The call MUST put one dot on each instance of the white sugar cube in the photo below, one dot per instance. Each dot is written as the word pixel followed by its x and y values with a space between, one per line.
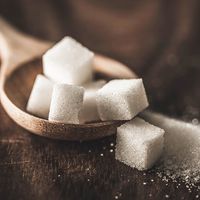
pixel 121 99
pixel 89 109
pixel 139 144
pixel 68 62
pixel 40 97
pixel 66 103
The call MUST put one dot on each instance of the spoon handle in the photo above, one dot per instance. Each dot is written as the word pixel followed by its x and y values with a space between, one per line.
pixel 16 48
pixel 112 68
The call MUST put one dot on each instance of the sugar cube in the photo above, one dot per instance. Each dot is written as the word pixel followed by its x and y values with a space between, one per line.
pixel 68 62
pixel 40 97
pixel 139 144
pixel 121 99
pixel 66 103
pixel 89 111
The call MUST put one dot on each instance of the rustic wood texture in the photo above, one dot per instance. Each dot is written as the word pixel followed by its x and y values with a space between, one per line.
pixel 159 40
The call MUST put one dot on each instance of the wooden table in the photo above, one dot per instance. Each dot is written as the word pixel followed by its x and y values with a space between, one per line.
pixel 160 41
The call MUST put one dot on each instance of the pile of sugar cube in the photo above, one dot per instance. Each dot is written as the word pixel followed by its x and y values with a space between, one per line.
pixel 67 93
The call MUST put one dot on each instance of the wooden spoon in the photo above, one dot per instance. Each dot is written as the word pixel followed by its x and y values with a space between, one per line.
pixel 20 63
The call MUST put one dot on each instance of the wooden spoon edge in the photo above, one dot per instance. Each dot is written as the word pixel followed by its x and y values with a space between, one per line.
pixel 56 130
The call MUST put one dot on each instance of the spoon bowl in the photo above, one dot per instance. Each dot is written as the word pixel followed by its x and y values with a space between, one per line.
pixel 18 71
pixel 18 86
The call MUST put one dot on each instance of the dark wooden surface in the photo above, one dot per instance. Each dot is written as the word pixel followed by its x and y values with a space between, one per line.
pixel 157 39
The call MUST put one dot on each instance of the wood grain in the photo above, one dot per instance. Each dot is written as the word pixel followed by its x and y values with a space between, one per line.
pixel 35 168
pixel 159 41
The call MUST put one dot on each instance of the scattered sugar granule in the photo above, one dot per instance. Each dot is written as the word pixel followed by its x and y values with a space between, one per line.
pixel 111 144
pixel 121 99
pixel 181 156
pixel 66 103
pixel 89 111
pixel 167 196
pixel 40 97
pixel 68 62
pixel 139 144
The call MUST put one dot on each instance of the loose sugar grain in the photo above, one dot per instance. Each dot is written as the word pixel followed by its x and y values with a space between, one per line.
pixel 181 157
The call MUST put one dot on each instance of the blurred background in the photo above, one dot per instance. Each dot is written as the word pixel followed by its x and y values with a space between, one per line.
pixel 158 39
